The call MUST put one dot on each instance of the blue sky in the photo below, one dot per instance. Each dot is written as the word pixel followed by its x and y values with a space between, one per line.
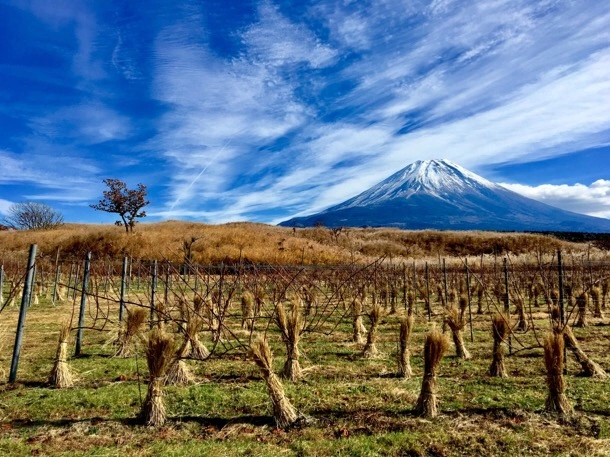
pixel 262 110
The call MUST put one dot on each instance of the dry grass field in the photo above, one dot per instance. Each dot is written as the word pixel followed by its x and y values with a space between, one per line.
pixel 348 403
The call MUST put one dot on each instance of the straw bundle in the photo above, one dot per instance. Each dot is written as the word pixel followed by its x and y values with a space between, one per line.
pixel 410 302
pixel 404 362
pixel 291 326
pixel 194 347
pixel 596 299
pixel 311 300
pixel 284 413
pixel 247 310
pixel 440 295
pixel 581 303
pixel 520 308
pixel 179 373
pixel 480 292
pixel 589 367
pixel 553 359
pixel 456 322
pixel 130 330
pixel 159 355
pixel 370 350
pixel 61 375
pixel 554 296
pixel 434 349
pixel 357 325
pixel 500 331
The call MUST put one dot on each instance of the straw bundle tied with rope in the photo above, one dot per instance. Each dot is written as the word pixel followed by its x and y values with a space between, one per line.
pixel 284 413
pixel 291 326
pixel 556 400
pixel 370 350
pixel 589 367
pixel 247 310
pixel 522 325
pixel 357 325
pixel 456 322
pixel 581 303
pixel 129 332
pixel 596 295
pixel 61 374
pixel 500 331
pixel 404 362
pixel 435 347
pixel 194 347
pixel 160 353
pixel 179 373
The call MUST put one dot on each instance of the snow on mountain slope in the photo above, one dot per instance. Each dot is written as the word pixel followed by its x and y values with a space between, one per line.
pixel 439 194
pixel 439 178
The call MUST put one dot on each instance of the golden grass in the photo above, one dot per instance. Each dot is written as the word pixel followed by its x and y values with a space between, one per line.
pixel 260 243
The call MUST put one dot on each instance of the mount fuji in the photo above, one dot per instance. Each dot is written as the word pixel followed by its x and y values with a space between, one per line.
pixel 439 194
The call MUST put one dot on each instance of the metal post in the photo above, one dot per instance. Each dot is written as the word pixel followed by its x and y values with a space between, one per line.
pixel 153 294
pixel 32 289
pixel 561 307
pixel 445 282
pixel 468 294
pixel 166 290
pixel 75 281
pixel 57 270
pixel 1 285
pixel 507 304
pixel 21 323
pixel 123 284
pixel 83 304
pixel 428 293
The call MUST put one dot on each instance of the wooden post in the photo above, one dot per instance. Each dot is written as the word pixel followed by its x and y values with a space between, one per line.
pixel 83 304
pixel 21 323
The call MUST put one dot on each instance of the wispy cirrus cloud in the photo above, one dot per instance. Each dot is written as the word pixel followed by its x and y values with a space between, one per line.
pixel 266 110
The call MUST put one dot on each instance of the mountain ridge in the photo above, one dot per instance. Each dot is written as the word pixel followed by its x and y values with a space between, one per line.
pixel 439 194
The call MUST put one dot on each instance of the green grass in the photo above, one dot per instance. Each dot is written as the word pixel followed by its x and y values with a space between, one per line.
pixel 358 407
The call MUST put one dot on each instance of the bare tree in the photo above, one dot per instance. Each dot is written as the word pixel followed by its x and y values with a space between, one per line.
pixel 125 202
pixel 32 216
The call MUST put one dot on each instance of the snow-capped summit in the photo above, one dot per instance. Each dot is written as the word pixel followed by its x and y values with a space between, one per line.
pixel 440 194
pixel 440 178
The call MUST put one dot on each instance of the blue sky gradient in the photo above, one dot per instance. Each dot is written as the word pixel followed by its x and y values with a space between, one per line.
pixel 261 110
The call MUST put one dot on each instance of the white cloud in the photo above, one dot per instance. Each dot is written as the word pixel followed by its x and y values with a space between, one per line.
pixel 593 199
pixel 4 206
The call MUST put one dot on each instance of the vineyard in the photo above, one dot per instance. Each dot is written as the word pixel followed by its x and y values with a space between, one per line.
pixel 472 355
